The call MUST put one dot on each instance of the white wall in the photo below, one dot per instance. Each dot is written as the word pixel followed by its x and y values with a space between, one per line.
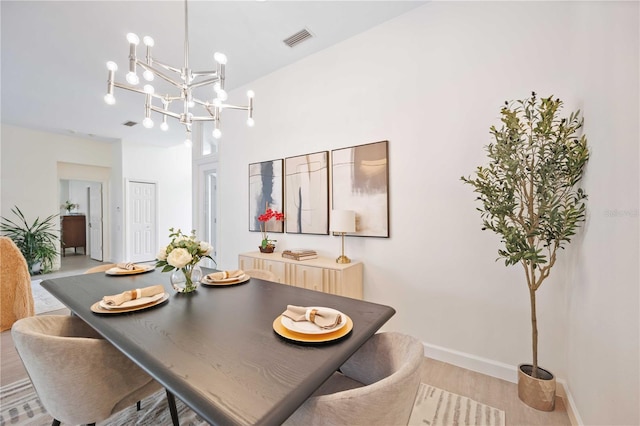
pixel 32 162
pixel 432 82
pixel 170 169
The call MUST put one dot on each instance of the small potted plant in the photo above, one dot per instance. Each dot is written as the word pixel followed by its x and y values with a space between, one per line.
pixel 68 206
pixel 36 241
pixel 267 245
pixel 529 196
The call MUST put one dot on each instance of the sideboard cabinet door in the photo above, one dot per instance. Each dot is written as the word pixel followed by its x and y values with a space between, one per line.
pixel 321 274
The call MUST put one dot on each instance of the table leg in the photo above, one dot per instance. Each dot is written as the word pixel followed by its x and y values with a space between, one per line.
pixel 172 408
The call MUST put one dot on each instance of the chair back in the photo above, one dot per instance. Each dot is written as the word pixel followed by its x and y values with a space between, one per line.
pixel 262 274
pixel 79 377
pixel 387 367
pixel 17 299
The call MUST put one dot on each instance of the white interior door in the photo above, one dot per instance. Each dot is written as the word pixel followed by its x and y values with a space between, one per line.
pixel 95 220
pixel 142 223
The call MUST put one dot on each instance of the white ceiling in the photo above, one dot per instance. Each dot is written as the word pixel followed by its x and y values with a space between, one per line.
pixel 54 53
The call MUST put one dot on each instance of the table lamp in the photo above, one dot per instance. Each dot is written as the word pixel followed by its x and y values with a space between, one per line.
pixel 343 221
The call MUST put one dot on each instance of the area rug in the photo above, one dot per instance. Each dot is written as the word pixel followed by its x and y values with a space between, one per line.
pixel 43 300
pixel 20 406
pixel 436 407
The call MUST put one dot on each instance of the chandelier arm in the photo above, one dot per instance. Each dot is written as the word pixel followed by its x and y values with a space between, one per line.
pixel 160 74
pixel 124 86
pixel 203 118
pixel 165 112
pixel 165 66
pixel 243 108
pixel 203 83
pixel 204 73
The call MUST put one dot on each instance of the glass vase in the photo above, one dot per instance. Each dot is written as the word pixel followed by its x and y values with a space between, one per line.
pixel 186 280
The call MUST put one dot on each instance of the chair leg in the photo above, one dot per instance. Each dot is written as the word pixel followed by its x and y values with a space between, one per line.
pixel 138 406
pixel 172 408
pixel 55 422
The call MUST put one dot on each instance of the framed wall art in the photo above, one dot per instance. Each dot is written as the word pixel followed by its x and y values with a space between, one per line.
pixel 307 193
pixel 360 182
pixel 265 191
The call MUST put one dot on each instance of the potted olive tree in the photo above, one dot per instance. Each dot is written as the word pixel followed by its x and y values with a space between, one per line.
pixel 36 241
pixel 529 196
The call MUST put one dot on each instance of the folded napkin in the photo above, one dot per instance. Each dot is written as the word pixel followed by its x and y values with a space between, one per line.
pixel 320 317
pixel 223 275
pixel 119 299
pixel 129 266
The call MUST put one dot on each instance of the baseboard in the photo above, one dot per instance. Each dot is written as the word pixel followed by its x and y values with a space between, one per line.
pixel 498 370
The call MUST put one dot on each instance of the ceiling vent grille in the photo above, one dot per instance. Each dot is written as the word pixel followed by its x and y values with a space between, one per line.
pixel 297 38
pixel 129 123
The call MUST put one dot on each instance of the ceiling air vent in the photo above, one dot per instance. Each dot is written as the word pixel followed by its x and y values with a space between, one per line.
pixel 129 123
pixel 297 38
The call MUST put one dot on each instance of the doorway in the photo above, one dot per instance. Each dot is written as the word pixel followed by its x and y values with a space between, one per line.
pixel 88 198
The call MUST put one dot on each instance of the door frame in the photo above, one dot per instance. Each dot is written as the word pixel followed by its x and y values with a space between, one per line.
pixel 199 216
pixel 127 210
pixel 99 174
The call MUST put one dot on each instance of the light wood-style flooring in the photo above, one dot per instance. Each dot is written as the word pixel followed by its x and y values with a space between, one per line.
pixel 488 390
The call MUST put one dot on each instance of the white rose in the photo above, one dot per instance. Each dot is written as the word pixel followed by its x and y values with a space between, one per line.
pixel 205 248
pixel 179 258
pixel 162 254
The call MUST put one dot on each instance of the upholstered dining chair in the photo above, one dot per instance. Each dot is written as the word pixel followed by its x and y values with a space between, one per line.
pixel 262 274
pixel 79 377
pixel 17 299
pixel 376 386
pixel 100 268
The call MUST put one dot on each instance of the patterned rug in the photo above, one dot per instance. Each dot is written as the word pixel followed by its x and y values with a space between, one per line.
pixel 20 406
pixel 43 300
pixel 436 407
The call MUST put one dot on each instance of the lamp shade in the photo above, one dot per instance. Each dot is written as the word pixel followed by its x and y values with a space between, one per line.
pixel 343 221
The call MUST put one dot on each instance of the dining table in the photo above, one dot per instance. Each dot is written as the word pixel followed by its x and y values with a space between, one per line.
pixel 217 349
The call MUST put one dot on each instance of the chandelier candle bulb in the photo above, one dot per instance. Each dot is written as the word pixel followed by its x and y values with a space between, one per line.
pixel 133 39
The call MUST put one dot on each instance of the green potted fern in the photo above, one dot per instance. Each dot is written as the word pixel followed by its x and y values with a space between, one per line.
pixel 37 241
pixel 530 197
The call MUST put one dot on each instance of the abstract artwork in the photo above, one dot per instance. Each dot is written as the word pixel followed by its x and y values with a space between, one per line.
pixel 360 182
pixel 307 193
pixel 265 191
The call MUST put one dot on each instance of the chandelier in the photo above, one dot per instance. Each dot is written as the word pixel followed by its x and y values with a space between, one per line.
pixel 183 95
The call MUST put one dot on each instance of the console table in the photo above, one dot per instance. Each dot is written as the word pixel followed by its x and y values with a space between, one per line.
pixel 74 233
pixel 321 274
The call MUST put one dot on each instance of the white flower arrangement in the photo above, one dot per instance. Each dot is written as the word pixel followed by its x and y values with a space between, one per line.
pixel 182 251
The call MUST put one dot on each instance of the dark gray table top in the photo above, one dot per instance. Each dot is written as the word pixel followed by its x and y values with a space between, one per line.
pixel 215 349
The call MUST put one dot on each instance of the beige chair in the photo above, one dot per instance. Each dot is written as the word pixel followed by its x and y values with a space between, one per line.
pixel 100 268
pixel 376 386
pixel 79 377
pixel 262 274
pixel 16 299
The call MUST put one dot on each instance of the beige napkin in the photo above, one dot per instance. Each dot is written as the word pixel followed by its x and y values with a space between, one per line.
pixel 223 275
pixel 129 266
pixel 321 317
pixel 119 299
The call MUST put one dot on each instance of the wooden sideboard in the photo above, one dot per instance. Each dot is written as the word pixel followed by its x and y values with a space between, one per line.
pixel 321 274
pixel 74 233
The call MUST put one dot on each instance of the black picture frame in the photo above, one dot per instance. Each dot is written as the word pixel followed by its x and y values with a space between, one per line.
pixel 360 182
